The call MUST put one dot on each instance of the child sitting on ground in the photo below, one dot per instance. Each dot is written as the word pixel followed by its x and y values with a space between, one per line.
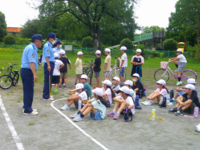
pixel 108 93
pixel 180 62
pixel 160 91
pixel 74 98
pixel 78 64
pixel 96 107
pixel 56 71
pixel 63 71
pixel 116 86
pixel 181 90
pixel 187 101
pixel 87 87
pixel 96 67
pixel 121 102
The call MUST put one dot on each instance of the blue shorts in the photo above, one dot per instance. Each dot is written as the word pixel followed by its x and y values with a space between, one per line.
pixel 96 116
pixel 180 93
pixel 122 72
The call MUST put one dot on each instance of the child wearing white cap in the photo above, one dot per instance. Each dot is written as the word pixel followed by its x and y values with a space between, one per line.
pixel 121 102
pixel 107 63
pixel 180 62
pixel 181 90
pixel 116 86
pixel 56 72
pixel 108 93
pixel 96 67
pixel 137 62
pixel 123 64
pixel 87 87
pixel 96 107
pixel 78 64
pixel 77 95
pixel 156 95
pixel 187 101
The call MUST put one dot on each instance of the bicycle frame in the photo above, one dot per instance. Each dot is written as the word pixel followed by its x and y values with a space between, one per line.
pixel 115 67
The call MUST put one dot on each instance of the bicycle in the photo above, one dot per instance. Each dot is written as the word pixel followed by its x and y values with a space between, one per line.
pixel 164 73
pixel 88 70
pixel 115 70
pixel 6 81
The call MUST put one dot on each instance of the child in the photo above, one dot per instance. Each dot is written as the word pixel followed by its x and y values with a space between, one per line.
pixel 107 63
pixel 187 101
pixel 63 71
pixel 181 90
pixel 137 62
pixel 96 67
pixel 123 64
pixel 87 87
pixel 121 102
pixel 96 107
pixel 180 62
pixel 160 91
pixel 137 85
pixel 115 88
pixel 129 84
pixel 57 48
pixel 56 71
pixel 108 94
pixel 74 98
pixel 78 64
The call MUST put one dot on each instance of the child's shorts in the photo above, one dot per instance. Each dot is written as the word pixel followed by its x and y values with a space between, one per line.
pixel 96 116
pixel 96 74
pixel 106 73
pixel 63 75
pixel 55 79
pixel 121 73
pixel 78 75
pixel 181 66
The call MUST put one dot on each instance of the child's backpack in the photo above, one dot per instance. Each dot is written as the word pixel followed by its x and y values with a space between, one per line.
pixel 127 114
pixel 163 102
pixel 171 94
pixel 107 103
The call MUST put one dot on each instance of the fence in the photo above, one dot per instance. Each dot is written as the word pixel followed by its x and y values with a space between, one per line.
pixel 114 52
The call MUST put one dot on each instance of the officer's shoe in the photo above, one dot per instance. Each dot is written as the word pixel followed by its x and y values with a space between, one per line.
pixel 33 110
pixel 33 113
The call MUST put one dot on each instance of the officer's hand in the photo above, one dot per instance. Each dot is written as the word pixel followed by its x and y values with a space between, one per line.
pixel 35 78
pixel 49 68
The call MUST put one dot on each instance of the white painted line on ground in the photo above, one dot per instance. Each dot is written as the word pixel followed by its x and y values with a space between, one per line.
pixel 11 127
pixel 98 143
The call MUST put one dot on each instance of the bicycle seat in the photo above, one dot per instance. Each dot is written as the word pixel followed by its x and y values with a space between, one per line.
pixel 16 70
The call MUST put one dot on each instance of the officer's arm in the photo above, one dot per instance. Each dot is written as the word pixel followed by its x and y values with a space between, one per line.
pixel 32 66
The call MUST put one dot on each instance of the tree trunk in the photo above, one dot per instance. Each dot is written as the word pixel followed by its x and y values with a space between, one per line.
pixel 96 41
pixel 198 30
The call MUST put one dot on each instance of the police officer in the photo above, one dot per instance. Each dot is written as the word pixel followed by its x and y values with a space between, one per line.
pixel 29 65
pixel 57 48
pixel 48 60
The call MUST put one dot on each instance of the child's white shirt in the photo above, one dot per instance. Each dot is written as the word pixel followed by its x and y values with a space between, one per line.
pixel 124 57
pixel 182 59
pixel 58 63
pixel 83 95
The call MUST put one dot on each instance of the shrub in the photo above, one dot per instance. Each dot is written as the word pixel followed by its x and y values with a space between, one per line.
pixel 155 54
pixel 87 42
pixel 127 42
pixel 9 39
pixel 170 44
pixel 140 46
pixel 23 41
pixel 70 43
pixel 193 50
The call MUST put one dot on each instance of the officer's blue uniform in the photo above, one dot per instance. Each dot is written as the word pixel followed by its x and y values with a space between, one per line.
pixel 57 50
pixel 29 55
pixel 47 52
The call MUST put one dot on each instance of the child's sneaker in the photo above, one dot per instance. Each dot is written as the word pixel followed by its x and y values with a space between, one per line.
pixel 110 114
pixel 64 87
pixel 172 110
pixel 33 113
pixel 147 103
pixel 60 87
pixel 65 107
pixel 78 118
pixel 56 91
pixel 144 101
pixel 74 115
pixel 179 83
pixel 178 113
pixel 116 116
pixel 94 87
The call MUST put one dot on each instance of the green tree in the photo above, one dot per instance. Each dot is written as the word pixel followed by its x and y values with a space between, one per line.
pixel 3 26
pixel 127 42
pixel 186 22
pixel 150 29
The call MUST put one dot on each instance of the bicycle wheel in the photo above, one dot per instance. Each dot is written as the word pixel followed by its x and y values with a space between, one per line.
pixel 90 73
pixel 161 74
pixel 5 82
pixel 186 74
pixel 15 79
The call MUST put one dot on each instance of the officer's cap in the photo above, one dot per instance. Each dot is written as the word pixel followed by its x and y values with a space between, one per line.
pixel 37 37
pixel 52 35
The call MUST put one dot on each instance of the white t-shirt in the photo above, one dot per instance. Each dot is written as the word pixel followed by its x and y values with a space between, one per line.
pixel 163 92
pixel 83 95
pixel 132 93
pixel 182 59
pixel 124 57
pixel 58 63
pixel 129 100
pixel 109 94
pixel 116 87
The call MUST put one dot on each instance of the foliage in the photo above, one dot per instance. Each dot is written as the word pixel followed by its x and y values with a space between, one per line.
pixel 192 49
pixel 170 44
pixel 87 42
pixel 140 46
pixel 70 43
pixel 155 54
pixel 23 41
pixel 127 42
pixel 3 26
pixel 150 29
pixel 9 39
